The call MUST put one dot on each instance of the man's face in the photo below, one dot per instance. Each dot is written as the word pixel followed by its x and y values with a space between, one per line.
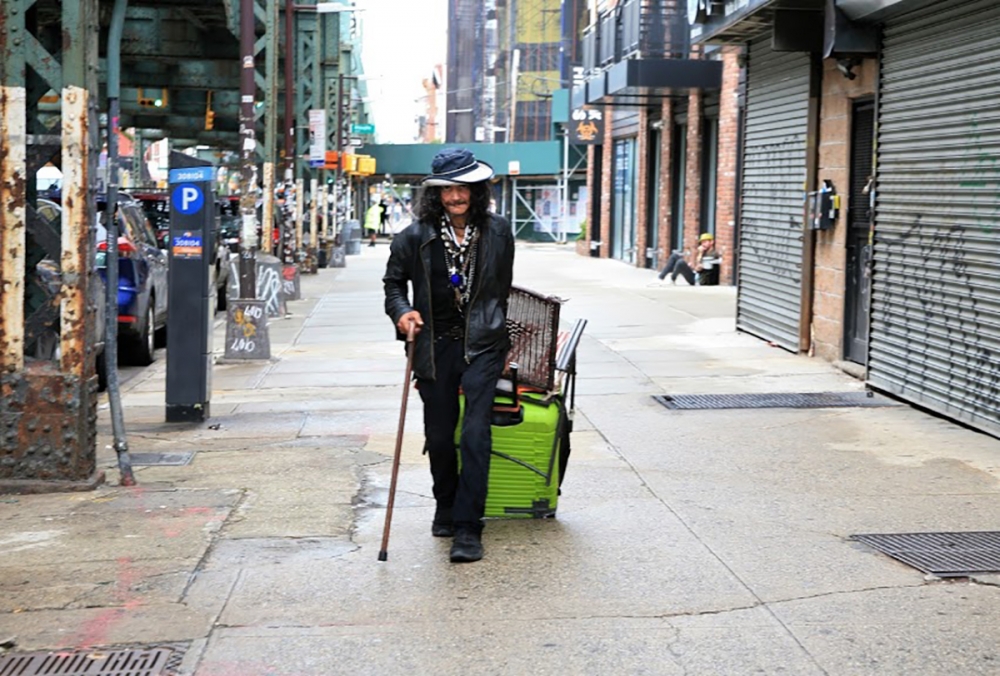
pixel 455 199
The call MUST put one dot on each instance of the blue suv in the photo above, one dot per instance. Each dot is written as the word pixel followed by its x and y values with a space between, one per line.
pixel 142 280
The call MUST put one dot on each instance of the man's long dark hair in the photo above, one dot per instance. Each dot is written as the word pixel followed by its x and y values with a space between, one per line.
pixel 430 210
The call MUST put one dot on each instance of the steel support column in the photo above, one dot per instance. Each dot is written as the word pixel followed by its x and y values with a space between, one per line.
pixel 270 122
pixel 47 405
pixel 307 93
pixel 13 179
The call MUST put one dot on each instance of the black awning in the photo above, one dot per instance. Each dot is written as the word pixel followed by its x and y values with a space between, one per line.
pixel 870 10
pixel 741 20
pixel 643 81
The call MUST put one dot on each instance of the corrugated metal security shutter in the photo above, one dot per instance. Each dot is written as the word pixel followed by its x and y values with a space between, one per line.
pixel 935 331
pixel 774 175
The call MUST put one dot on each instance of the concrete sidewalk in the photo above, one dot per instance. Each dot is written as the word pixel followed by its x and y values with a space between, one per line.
pixel 686 542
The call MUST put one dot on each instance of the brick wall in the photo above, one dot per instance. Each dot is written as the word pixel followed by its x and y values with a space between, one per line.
pixel 607 169
pixel 692 195
pixel 666 179
pixel 726 190
pixel 642 188
pixel 834 163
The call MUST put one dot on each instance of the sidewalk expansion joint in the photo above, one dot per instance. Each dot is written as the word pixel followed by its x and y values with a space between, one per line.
pixel 210 549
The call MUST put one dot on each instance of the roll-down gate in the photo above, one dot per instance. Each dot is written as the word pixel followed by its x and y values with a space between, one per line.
pixel 774 175
pixel 935 324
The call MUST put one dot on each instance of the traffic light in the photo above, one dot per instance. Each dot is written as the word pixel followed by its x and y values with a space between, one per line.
pixel 157 101
pixel 209 113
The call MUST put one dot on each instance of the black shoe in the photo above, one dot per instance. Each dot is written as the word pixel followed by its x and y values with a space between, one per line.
pixel 442 526
pixel 467 547
pixel 442 530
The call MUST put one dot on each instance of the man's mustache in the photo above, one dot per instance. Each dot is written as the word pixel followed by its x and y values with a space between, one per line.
pixel 455 204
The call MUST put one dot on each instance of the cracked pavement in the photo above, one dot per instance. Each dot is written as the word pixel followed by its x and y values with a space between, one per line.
pixel 686 542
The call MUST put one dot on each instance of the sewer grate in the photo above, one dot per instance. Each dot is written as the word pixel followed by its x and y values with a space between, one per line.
pixel 172 459
pixel 128 662
pixel 692 402
pixel 941 554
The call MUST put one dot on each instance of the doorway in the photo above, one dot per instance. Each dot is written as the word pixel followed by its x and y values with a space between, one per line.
pixel 857 294
pixel 594 205
pixel 623 202
pixel 678 169
pixel 653 210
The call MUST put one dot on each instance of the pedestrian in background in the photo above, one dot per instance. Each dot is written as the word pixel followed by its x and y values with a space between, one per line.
pixel 372 219
pixel 702 271
pixel 383 217
pixel 459 259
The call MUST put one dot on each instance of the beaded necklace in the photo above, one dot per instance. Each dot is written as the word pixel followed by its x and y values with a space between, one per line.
pixel 460 260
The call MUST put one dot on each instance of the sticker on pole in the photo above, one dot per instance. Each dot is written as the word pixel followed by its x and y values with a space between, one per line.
pixel 187 245
pixel 187 198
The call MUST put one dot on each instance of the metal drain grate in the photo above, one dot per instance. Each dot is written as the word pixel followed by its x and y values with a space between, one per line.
pixel 941 554
pixel 142 662
pixel 173 459
pixel 692 402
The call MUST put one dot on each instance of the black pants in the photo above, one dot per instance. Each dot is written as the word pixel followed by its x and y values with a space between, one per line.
pixel 465 493
pixel 676 265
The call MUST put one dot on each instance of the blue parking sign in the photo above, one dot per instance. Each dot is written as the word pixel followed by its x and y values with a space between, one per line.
pixel 187 198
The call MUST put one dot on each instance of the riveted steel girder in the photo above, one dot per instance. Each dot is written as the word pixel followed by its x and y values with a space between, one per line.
pixel 47 398
pixel 308 84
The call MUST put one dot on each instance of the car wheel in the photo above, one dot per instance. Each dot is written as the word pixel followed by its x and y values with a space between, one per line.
pixel 144 346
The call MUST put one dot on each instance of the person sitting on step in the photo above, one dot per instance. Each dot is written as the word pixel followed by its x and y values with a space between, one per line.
pixel 703 270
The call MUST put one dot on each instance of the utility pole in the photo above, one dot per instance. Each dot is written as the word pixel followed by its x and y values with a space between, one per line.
pixel 289 92
pixel 246 311
pixel 248 147
pixel 338 221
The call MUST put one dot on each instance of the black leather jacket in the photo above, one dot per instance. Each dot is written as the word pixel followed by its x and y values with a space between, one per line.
pixel 486 318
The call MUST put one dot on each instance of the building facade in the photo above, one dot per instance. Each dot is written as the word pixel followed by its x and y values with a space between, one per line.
pixel 506 58
pixel 885 112
pixel 665 169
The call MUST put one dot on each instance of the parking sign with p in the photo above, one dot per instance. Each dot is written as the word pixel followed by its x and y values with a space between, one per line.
pixel 187 199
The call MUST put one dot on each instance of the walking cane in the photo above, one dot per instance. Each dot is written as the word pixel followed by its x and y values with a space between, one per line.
pixel 383 554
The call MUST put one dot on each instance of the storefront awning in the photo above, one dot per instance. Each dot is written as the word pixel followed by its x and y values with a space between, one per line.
pixel 869 10
pixel 642 81
pixel 737 21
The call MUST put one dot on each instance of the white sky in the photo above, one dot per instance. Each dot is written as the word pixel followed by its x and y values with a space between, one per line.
pixel 402 41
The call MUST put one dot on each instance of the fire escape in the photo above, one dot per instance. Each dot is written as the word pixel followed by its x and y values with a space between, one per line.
pixel 638 52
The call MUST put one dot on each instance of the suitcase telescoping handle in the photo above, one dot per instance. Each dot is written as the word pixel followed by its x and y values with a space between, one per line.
pixel 503 415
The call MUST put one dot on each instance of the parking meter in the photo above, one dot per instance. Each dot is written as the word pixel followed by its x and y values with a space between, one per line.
pixel 191 297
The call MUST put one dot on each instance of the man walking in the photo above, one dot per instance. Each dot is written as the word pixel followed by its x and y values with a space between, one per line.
pixel 459 259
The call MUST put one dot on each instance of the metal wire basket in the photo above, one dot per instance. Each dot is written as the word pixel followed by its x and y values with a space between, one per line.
pixel 533 325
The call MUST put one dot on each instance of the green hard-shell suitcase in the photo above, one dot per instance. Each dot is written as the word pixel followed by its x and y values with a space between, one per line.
pixel 526 461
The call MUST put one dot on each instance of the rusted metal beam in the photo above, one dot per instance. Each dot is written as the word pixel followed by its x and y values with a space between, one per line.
pixel 48 410
pixel 13 175
pixel 13 168
pixel 79 60
pixel 77 339
pixel 191 74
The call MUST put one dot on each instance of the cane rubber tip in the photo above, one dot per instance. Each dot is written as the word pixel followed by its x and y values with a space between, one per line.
pixel 383 556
